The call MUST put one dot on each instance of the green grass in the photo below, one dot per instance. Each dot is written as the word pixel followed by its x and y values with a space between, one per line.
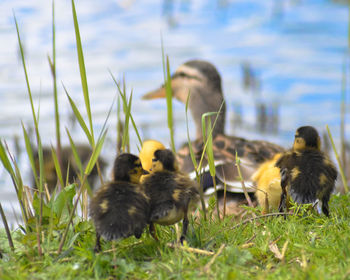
pixel 318 248
pixel 54 242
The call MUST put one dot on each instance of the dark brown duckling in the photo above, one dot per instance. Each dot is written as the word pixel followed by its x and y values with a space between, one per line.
pixel 121 208
pixel 172 192
pixel 307 175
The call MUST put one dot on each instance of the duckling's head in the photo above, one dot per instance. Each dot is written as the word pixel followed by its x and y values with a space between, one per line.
pixel 202 81
pixel 147 152
pixel 306 137
pixel 164 160
pixel 127 167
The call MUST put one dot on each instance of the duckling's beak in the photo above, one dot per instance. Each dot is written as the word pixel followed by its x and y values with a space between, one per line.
pixel 158 93
pixel 144 172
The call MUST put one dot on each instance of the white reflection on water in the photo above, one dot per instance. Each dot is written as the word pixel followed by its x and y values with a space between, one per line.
pixel 295 49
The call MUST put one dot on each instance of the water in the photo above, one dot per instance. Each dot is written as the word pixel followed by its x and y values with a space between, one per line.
pixel 293 49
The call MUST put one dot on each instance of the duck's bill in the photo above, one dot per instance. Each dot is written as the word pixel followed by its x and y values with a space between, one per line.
pixel 158 93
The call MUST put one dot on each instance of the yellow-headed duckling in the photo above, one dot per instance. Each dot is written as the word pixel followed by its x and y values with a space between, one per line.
pixel 202 80
pixel 268 183
pixel 307 175
pixel 121 208
pixel 172 192
pixel 147 152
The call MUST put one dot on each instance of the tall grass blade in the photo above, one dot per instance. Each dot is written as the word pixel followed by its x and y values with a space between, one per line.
pixel 95 153
pixel 82 70
pixel 57 166
pixel 169 103
pixel 125 105
pixel 209 151
pixel 8 233
pixel 54 77
pixel 80 118
pixel 342 174
pixel 30 154
pixel 40 152
pixel 194 161
pixel 343 112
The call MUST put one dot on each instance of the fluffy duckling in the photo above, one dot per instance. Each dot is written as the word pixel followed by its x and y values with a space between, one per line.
pixel 307 175
pixel 203 81
pixel 268 183
pixel 147 151
pixel 121 208
pixel 172 192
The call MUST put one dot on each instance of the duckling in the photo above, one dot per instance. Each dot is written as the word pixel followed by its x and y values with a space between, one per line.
pixel 121 208
pixel 147 151
pixel 203 81
pixel 307 175
pixel 172 192
pixel 268 182
pixel 68 163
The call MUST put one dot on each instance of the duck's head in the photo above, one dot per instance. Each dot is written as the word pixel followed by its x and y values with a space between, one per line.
pixel 147 152
pixel 164 160
pixel 202 81
pixel 127 167
pixel 306 137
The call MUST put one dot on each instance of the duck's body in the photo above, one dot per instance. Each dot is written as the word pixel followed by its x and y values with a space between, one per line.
pixel 268 185
pixel 307 175
pixel 171 192
pixel 69 167
pixel 121 208
pixel 202 80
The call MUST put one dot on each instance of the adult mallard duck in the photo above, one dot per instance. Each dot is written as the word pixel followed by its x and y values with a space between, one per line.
pixel 202 80
pixel 307 175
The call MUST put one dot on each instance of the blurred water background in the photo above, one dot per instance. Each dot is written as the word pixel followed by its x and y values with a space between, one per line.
pixel 281 64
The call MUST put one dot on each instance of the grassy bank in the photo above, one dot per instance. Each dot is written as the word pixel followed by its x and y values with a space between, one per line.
pixel 298 247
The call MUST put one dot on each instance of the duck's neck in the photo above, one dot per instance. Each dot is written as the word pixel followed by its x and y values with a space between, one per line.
pixel 201 103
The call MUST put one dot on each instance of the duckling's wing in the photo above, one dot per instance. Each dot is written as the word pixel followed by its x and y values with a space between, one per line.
pixel 119 210
pixel 251 154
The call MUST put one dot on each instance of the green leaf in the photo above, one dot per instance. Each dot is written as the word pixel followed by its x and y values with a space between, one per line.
pixel 82 70
pixel 95 154
pixel 30 154
pixel 57 166
pixel 64 201
pixel 80 118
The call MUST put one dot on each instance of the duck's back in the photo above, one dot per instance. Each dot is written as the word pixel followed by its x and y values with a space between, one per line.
pixel 120 209
pixel 251 154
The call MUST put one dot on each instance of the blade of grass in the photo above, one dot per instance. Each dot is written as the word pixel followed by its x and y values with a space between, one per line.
pixel 343 112
pixel 8 233
pixel 169 104
pixel 40 152
pixel 80 118
pixel 57 166
pixel 77 162
pixel 124 99
pixel 95 153
pixel 210 153
pixel 52 64
pixel 193 158
pixel 345 184
pixel 30 154
pixel 82 71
